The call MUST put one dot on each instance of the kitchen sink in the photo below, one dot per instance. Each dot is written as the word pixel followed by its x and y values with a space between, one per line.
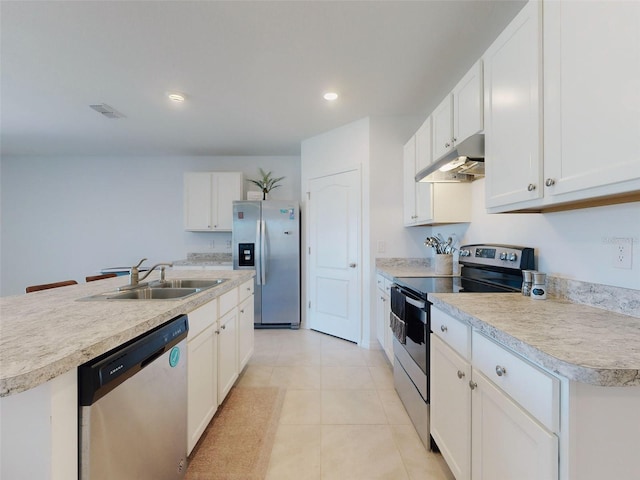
pixel 165 290
pixel 188 283
pixel 154 293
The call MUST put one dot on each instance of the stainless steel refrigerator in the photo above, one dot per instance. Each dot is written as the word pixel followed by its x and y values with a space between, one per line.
pixel 266 237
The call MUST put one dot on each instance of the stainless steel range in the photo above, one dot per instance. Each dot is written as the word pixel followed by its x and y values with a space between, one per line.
pixel 484 268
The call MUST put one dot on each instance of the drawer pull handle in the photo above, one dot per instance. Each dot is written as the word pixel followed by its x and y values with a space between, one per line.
pixel 460 374
pixel 500 371
pixel 443 328
pixel 472 385
pixel 531 187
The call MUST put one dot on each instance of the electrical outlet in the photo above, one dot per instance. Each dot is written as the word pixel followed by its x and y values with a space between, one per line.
pixel 621 249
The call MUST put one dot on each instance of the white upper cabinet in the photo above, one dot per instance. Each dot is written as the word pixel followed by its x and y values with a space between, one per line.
pixel 423 146
pixel 208 198
pixel 443 128
pixel 417 196
pixel 512 111
pixel 585 149
pixel 591 98
pixel 460 114
pixel 468 118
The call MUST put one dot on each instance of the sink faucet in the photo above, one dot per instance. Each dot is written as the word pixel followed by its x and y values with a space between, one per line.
pixel 134 273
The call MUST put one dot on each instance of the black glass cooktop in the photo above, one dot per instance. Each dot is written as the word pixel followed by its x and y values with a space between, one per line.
pixel 425 285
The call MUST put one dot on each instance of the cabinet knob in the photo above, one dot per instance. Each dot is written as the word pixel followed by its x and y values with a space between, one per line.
pixel 353 265
pixel 549 182
pixel 531 187
pixel 460 374
pixel 472 385
pixel 447 145
pixel 224 327
pixel 242 311
pixel 217 332
pixel 500 371
pixel 443 328
pixel 455 139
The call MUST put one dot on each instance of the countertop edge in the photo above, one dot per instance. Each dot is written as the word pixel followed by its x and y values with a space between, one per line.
pixel 41 374
pixel 581 373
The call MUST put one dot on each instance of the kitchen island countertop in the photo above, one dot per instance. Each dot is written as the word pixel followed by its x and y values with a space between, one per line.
pixel 47 333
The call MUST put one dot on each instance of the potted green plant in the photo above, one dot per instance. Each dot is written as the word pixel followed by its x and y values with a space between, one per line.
pixel 266 183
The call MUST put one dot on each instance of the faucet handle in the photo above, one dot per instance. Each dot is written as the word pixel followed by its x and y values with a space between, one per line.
pixel 141 261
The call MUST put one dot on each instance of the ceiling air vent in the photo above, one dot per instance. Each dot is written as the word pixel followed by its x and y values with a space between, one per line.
pixel 107 111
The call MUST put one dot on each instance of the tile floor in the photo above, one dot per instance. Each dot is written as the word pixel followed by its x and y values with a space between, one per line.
pixel 341 417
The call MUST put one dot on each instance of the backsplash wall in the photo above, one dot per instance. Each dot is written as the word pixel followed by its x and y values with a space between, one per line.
pixel 573 244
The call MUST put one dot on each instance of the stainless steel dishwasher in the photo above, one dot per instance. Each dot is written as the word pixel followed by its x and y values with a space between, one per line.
pixel 133 408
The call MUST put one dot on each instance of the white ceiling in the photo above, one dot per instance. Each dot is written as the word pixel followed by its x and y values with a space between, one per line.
pixel 253 71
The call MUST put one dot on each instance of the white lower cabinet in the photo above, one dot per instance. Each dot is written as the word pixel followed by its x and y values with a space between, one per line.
pixel 245 324
pixel 218 331
pixel 383 311
pixel 202 381
pixel 451 407
pixel 493 414
pixel 506 441
pixel 227 353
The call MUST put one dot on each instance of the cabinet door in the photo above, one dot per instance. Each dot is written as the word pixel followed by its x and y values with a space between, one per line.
pixel 227 187
pixel 451 407
pixel 506 441
pixel 468 104
pixel 197 201
pixel 227 353
pixel 380 320
pixel 423 146
pixel 202 384
pixel 443 128
pixel 245 332
pixel 512 82
pixel 591 105
pixel 409 163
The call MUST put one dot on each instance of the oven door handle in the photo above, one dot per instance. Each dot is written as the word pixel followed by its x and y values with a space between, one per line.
pixel 416 303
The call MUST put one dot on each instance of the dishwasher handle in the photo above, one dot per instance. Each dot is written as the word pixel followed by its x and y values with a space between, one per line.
pixel 101 375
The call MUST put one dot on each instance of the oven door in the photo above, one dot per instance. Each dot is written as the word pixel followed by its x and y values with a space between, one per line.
pixel 409 322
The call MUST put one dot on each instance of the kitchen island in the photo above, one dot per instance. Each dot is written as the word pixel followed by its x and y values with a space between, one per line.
pixel 45 336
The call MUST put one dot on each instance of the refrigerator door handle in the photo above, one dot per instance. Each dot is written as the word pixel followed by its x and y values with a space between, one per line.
pixel 258 252
pixel 263 253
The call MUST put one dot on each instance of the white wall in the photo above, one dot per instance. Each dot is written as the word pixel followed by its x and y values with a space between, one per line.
pixel 572 244
pixel 66 218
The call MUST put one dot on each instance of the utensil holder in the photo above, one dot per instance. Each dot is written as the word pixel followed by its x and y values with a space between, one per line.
pixel 443 264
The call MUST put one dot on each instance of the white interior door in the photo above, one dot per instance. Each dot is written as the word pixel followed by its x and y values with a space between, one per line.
pixel 335 292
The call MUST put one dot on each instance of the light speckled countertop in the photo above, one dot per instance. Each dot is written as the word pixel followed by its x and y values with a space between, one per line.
pixel 47 333
pixel 205 260
pixel 408 267
pixel 579 342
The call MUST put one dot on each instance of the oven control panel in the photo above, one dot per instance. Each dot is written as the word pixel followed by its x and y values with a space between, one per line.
pixel 497 256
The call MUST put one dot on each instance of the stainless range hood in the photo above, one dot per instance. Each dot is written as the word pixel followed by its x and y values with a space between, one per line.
pixel 465 163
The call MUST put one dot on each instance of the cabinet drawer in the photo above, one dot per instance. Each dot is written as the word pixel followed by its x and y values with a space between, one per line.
pixel 202 317
pixel 380 281
pixel 246 289
pixel 227 301
pixel 453 332
pixel 535 390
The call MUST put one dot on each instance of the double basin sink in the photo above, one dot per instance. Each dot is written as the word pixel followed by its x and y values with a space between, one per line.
pixel 160 290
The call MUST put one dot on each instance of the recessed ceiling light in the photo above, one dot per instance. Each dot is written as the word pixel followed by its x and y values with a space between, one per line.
pixel 331 96
pixel 176 97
